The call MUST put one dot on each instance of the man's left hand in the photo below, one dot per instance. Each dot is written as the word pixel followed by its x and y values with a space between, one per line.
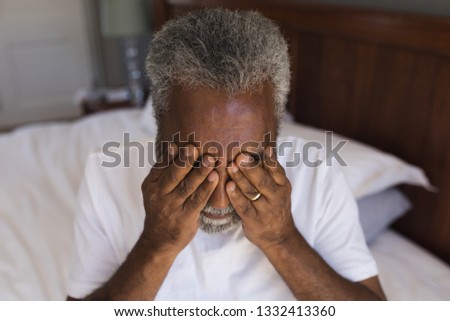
pixel 267 220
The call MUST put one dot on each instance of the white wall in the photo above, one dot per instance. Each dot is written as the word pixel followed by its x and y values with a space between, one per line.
pixel 435 7
pixel 44 59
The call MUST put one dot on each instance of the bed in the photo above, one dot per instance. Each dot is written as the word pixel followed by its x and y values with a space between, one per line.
pixel 352 73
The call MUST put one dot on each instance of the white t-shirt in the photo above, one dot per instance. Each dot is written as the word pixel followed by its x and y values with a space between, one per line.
pixel 214 267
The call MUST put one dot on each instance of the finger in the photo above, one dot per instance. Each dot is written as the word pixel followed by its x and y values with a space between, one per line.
pixel 178 169
pixel 166 158
pixel 240 203
pixel 197 201
pixel 195 177
pixel 273 167
pixel 257 175
pixel 247 189
pixel 164 150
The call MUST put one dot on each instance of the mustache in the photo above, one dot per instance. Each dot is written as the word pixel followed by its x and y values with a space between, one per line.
pixel 218 211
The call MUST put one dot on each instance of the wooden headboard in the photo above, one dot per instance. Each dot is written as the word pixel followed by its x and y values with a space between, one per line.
pixel 379 77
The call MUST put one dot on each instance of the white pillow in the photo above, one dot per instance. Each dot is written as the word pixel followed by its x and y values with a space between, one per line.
pixel 369 170
pixel 378 211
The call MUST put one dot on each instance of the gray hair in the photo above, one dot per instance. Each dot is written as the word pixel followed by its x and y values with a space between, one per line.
pixel 221 49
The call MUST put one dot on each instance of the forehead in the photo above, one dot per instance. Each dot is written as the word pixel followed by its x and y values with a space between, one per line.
pixel 203 115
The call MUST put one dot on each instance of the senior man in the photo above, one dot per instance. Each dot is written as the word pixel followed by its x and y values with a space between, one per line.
pixel 218 217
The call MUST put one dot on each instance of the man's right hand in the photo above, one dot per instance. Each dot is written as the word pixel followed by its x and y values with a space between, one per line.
pixel 174 196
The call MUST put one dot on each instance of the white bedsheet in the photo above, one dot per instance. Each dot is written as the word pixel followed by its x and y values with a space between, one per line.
pixel 40 170
pixel 409 272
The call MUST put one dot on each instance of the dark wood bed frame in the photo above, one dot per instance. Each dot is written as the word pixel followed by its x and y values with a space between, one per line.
pixel 380 77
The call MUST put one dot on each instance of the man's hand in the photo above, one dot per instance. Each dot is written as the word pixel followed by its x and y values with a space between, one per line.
pixel 174 195
pixel 268 220
pixel 268 223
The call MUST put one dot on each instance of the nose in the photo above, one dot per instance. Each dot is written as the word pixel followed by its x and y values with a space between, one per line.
pixel 219 198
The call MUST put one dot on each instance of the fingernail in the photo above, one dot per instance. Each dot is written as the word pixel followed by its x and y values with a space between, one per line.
pixel 210 160
pixel 212 176
pixel 171 150
pixel 244 160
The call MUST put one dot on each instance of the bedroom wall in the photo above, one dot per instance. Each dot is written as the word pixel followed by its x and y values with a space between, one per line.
pixel 436 7
pixel 44 59
pixel 113 75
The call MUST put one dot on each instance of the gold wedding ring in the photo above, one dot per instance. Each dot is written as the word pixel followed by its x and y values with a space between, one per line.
pixel 255 198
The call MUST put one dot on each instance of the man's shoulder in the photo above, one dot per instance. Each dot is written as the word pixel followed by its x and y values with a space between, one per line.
pixel 315 180
pixel 111 192
pixel 139 153
pixel 113 160
pixel 303 160
pixel 115 173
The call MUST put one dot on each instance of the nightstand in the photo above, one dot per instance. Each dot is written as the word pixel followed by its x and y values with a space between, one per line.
pixel 93 106
pixel 99 100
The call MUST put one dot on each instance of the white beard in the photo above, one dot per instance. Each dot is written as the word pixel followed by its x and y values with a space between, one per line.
pixel 220 225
